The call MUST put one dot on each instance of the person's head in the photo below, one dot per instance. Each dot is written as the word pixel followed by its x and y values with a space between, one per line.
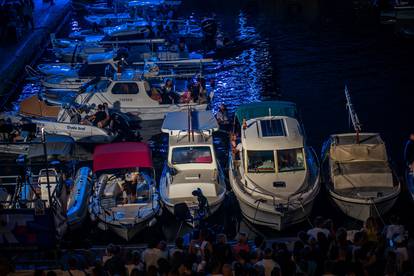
pixel 110 249
pixel 222 107
pixel 162 245
pixel 100 107
pixel 318 222
pixel 168 83
pixel 371 224
pixel 242 237
pixel 268 253
pixel 259 241
pixel 105 105
pixel 2 122
pixel 412 136
pixel 221 238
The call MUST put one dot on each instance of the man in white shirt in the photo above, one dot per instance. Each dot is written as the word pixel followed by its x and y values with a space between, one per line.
pixel 268 264
pixel 318 227
pixel 151 255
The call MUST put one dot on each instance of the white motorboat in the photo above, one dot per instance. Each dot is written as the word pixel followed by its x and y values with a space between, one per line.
pixel 128 94
pixel 274 174
pixel 192 177
pixel 357 174
pixel 67 120
pixel 125 199
pixel 404 12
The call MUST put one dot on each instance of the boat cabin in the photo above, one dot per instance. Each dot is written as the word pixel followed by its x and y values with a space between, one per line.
pixel 191 156
pixel 272 148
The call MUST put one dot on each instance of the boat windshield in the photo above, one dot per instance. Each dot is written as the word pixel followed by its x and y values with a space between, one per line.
pixel 185 155
pixel 260 161
pixel 290 160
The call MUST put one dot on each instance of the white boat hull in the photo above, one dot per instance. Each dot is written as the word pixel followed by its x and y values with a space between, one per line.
pixel 265 213
pixel 360 208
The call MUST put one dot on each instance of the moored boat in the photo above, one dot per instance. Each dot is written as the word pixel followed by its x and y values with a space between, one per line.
pixel 273 172
pixel 124 199
pixel 192 185
pixel 357 174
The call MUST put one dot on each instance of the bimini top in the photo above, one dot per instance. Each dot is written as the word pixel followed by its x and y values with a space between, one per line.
pixel 179 122
pixel 263 109
pixel 121 155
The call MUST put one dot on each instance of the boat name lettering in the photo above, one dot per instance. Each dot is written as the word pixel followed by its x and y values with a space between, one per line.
pixel 76 128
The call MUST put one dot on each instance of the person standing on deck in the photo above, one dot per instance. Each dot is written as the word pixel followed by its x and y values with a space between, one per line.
pixel 409 152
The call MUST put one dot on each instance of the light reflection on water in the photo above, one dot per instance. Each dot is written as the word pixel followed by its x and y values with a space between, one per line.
pixel 243 84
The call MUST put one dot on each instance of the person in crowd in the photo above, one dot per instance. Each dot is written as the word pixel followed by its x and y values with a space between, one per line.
pixel 267 263
pixel 409 152
pixel 372 229
pixel 151 255
pixel 395 228
pixel 115 265
pixel 318 227
pixel 241 244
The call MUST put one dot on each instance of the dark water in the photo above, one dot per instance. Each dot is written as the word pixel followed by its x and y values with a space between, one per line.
pixel 305 52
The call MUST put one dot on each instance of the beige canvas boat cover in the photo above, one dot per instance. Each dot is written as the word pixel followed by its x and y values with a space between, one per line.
pixel 358 152
pixel 360 174
pixel 32 106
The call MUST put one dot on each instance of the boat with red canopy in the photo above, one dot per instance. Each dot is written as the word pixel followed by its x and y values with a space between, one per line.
pixel 125 199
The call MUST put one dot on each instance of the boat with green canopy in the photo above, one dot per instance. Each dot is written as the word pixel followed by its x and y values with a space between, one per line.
pixel 273 172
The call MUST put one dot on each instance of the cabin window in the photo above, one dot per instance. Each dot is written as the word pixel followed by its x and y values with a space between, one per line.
pixel 185 155
pixel 126 88
pixel 290 160
pixel 272 128
pixel 260 161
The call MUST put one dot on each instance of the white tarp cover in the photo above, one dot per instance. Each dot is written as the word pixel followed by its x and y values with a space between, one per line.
pixel 358 152
pixel 361 174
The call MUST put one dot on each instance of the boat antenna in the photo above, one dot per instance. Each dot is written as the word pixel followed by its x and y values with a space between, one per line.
pixel 352 114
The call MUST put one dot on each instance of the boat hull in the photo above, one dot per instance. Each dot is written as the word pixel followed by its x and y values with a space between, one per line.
pixel 361 209
pixel 265 214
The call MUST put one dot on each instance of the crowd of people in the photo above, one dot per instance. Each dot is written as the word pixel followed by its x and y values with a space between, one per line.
pixel 375 249
pixel 16 17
